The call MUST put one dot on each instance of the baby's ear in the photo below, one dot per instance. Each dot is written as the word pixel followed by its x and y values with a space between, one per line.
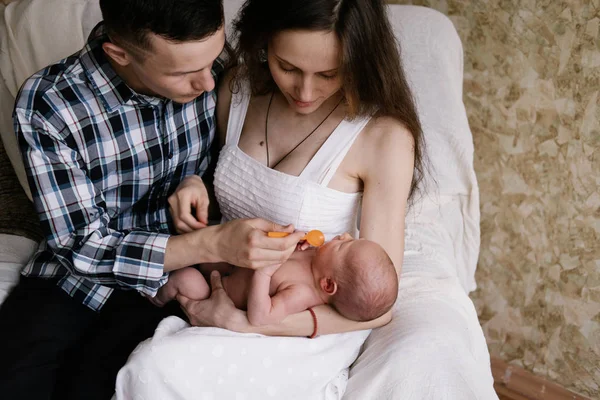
pixel 328 285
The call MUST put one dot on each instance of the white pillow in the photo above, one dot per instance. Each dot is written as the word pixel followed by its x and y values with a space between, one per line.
pixel 34 34
pixel 432 55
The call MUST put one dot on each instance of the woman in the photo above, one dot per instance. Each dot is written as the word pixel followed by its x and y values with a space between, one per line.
pixel 317 119
pixel 318 111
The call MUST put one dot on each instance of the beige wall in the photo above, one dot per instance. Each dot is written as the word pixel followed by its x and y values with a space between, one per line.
pixel 532 82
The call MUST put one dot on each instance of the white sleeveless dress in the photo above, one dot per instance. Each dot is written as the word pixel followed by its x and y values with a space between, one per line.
pixel 247 188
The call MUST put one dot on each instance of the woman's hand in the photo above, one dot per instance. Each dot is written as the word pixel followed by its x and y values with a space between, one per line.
pixel 244 243
pixel 218 310
pixel 191 193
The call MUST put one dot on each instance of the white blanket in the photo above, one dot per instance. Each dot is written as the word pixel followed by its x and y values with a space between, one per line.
pixel 212 363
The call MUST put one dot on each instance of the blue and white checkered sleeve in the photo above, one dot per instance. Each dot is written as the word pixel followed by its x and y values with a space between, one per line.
pixel 74 218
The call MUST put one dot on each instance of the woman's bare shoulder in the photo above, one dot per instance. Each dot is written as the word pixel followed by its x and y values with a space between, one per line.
pixel 228 77
pixel 387 134
pixel 224 92
pixel 224 95
pixel 384 147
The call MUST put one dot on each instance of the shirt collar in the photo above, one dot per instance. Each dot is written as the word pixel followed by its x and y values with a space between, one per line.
pixel 108 86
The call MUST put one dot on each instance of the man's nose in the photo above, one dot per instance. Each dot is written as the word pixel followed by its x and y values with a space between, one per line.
pixel 204 81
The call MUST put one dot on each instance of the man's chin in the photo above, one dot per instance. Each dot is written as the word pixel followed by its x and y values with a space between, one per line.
pixel 185 99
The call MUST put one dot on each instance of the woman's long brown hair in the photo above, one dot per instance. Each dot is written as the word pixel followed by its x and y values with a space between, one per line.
pixel 374 82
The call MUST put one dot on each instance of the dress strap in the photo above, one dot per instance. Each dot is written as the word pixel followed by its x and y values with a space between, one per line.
pixel 325 163
pixel 237 114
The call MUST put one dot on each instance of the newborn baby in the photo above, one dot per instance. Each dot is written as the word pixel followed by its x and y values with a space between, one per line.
pixel 355 276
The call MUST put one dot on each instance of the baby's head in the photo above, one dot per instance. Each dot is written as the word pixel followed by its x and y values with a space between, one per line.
pixel 356 276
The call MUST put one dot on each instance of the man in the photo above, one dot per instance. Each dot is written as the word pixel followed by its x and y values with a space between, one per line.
pixel 107 135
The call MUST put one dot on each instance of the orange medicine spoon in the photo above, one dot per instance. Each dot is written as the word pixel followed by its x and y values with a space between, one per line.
pixel 314 237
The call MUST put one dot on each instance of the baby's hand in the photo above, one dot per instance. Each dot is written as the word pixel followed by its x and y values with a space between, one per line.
pixel 269 271
pixel 303 245
pixel 190 195
pixel 160 299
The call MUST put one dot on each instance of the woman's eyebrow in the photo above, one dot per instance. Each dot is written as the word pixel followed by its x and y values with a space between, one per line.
pixel 287 62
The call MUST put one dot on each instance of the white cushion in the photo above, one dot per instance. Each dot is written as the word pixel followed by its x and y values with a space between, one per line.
pixel 432 56
pixel 15 251
pixel 34 34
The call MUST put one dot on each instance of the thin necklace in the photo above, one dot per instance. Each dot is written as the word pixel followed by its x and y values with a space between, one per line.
pixel 302 141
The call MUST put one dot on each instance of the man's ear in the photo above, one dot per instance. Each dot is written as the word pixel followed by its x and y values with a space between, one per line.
pixel 328 285
pixel 117 53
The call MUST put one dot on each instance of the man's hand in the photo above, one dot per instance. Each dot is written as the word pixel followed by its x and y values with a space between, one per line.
pixel 244 243
pixel 191 193
pixel 241 242
pixel 218 310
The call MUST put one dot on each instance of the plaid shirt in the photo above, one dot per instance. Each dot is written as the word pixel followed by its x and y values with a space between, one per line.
pixel 101 161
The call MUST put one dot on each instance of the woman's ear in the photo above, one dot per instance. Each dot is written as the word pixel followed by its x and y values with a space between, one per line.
pixel 328 285
pixel 117 53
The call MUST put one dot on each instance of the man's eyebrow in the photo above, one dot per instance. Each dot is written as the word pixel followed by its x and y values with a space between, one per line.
pixel 287 62
pixel 185 72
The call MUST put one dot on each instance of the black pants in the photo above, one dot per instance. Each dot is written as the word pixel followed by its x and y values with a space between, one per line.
pixel 52 347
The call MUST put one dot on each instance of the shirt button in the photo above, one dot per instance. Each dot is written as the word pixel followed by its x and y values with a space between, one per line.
pixel 170 155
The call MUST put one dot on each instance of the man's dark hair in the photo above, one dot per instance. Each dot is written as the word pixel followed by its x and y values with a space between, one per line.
pixel 130 21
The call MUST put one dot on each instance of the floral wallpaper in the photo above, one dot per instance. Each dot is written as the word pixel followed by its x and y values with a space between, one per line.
pixel 531 88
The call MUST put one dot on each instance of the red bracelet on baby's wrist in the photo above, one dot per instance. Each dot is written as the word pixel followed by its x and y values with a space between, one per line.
pixel 314 317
